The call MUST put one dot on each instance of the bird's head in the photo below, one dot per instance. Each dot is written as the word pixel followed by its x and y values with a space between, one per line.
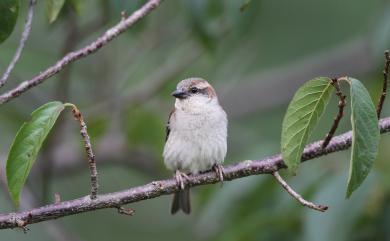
pixel 194 93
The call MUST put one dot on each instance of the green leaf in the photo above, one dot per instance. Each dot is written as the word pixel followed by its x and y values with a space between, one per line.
pixel 53 8
pixel 302 115
pixel 26 145
pixel 9 10
pixel 365 135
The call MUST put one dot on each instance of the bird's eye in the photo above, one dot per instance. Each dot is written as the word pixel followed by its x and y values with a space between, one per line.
pixel 194 90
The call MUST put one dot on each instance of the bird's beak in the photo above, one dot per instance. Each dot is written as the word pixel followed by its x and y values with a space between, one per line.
pixel 179 94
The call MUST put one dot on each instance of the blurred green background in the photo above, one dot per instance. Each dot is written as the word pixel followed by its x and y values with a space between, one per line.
pixel 256 60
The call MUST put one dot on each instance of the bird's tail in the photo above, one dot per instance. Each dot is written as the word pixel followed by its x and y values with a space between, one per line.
pixel 181 201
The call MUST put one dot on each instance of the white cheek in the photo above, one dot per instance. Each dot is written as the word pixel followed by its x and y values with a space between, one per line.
pixel 195 104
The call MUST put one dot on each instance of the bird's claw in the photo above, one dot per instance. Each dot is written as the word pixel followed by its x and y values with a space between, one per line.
pixel 218 169
pixel 179 179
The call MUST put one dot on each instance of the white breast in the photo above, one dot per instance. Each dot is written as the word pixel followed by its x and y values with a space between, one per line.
pixel 197 140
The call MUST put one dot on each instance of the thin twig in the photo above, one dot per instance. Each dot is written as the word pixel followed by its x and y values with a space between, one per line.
pixel 91 48
pixel 384 88
pixel 23 39
pixel 339 115
pixel 88 148
pixel 299 198
pixel 155 189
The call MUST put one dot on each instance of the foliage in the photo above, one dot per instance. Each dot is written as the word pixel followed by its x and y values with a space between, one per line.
pixel 304 112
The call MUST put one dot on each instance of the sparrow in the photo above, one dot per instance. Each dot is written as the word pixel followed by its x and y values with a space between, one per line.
pixel 196 136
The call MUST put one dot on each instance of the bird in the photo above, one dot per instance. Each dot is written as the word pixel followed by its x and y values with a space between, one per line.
pixel 196 136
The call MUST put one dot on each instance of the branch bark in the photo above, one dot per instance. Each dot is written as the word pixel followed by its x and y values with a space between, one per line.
pixel 88 149
pixel 71 57
pixel 155 189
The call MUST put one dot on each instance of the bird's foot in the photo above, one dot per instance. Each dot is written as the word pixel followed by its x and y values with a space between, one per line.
pixel 218 169
pixel 179 176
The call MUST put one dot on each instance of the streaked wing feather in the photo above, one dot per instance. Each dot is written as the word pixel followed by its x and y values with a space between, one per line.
pixel 168 128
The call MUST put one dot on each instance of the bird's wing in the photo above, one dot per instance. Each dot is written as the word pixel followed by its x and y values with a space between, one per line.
pixel 168 128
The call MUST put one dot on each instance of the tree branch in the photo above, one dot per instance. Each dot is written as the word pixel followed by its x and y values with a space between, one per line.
pixel 88 149
pixel 384 87
pixel 23 39
pixel 155 189
pixel 71 57
pixel 299 198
